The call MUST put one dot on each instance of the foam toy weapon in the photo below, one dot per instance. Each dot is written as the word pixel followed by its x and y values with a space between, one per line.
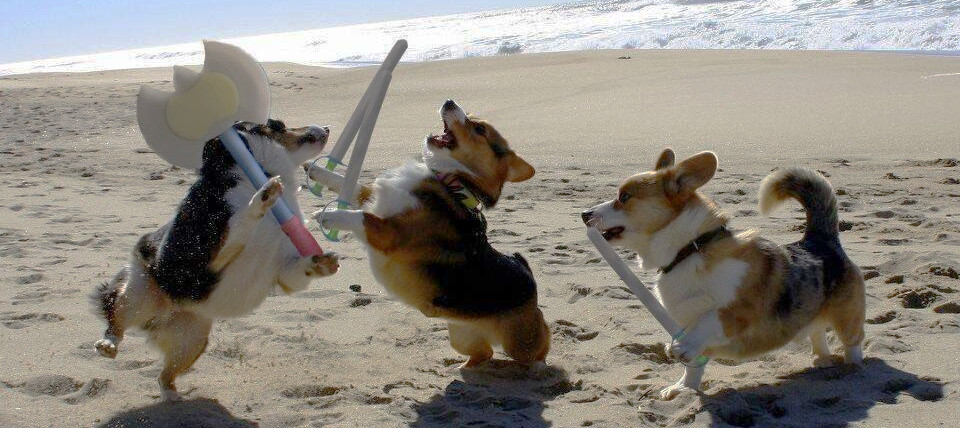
pixel 636 286
pixel 360 126
pixel 231 87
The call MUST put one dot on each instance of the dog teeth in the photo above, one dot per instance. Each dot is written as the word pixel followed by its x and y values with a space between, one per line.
pixel 612 232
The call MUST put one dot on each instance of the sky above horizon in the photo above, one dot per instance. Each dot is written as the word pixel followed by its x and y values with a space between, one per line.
pixel 39 29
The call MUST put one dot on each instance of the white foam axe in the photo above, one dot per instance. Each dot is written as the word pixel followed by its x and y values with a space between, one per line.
pixel 231 87
pixel 360 126
pixel 636 286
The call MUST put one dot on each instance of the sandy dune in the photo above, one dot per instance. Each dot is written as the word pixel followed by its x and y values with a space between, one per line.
pixel 80 187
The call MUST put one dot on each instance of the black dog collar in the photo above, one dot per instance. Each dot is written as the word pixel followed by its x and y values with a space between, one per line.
pixel 696 246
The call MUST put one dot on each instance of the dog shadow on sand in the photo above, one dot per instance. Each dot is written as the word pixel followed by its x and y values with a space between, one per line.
pixel 499 393
pixel 828 396
pixel 189 413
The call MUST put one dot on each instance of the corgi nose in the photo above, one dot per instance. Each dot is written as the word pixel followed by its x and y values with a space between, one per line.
pixel 449 105
pixel 586 216
pixel 318 132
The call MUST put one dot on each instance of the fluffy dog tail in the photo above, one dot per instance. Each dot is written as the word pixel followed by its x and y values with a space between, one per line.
pixel 811 189
pixel 104 297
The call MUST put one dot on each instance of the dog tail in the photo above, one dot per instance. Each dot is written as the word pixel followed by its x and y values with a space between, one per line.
pixel 104 297
pixel 812 190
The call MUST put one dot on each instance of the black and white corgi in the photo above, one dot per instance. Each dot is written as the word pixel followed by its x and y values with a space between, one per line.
pixel 221 254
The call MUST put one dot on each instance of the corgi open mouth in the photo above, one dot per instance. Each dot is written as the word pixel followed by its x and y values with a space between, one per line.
pixel 612 233
pixel 445 140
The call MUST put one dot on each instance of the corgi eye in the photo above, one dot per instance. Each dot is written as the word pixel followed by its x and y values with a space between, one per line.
pixel 623 197
pixel 480 129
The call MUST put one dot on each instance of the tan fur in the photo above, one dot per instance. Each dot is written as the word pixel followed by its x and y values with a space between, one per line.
pixel 475 153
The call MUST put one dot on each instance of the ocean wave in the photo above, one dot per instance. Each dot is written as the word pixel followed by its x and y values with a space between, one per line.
pixel 612 24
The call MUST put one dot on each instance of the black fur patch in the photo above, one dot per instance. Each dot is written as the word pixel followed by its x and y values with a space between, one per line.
pixel 486 282
pixel 489 283
pixel 813 273
pixel 828 251
pixel 105 299
pixel 181 265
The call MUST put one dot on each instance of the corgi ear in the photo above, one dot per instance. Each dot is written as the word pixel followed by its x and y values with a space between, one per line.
pixel 518 169
pixel 694 172
pixel 666 160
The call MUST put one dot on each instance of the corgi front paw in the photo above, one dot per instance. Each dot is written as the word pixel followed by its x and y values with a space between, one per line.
pixel 672 391
pixel 324 265
pixel 268 195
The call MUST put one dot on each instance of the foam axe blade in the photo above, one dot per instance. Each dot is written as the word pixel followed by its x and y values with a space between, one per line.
pixel 231 87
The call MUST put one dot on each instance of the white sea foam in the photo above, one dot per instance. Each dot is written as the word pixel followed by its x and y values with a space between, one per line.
pixel 709 24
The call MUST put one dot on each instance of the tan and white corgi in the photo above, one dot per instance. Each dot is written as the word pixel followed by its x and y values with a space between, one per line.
pixel 736 294
pixel 219 257
pixel 426 236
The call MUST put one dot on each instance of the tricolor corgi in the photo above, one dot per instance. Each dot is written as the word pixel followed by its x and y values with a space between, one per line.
pixel 736 294
pixel 219 257
pixel 426 236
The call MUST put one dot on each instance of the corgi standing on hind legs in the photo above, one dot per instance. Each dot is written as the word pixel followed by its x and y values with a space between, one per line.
pixel 736 294
pixel 219 257
pixel 426 235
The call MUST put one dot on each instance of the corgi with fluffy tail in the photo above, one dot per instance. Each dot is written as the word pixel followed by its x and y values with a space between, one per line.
pixel 736 294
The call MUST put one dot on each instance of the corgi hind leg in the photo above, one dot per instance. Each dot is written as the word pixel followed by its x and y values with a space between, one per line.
pixel 849 329
pixel 847 316
pixel 182 337
pixel 526 336
pixel 131 299
pixel 470 341
pixel 819 345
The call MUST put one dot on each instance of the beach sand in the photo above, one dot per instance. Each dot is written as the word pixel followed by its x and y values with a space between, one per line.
pixel 80 186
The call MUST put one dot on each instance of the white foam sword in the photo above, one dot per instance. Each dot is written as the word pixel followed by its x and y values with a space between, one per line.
pixel 636 286
pixel 360 125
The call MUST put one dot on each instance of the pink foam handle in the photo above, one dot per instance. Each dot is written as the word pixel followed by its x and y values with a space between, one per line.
pixel 302 239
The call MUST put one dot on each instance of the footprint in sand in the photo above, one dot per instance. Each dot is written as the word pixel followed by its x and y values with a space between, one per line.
pixel 572 332
pixel 307 391
pixel 919 298
pixel 614 292
pixel 17 321
pixel 655 353
pixel 55 385
pixel 882 318
pixel 30 279
pixel 886 344
pixel 948 308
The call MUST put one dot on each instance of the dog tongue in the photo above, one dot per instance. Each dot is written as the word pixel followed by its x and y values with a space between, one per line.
pixel 443 140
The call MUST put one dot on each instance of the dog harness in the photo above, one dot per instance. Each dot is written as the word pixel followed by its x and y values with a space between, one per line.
pixel 696 246
pixel 460 192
